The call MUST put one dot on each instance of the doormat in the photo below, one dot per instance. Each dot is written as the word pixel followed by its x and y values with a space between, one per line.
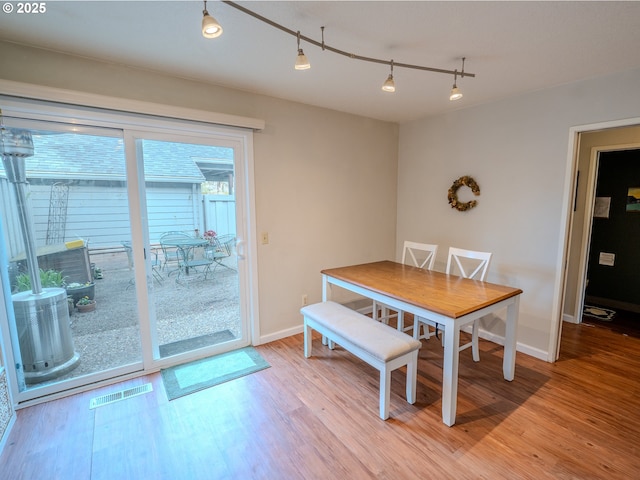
pixel 599 313
pixel 181 346
pixel 207 372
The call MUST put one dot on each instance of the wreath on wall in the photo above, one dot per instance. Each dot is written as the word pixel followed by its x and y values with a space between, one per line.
pixel 452 195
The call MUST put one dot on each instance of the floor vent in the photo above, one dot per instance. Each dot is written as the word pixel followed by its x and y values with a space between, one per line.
pixel 121 395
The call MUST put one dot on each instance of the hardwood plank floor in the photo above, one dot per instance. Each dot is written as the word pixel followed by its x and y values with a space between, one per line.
pixel 318 418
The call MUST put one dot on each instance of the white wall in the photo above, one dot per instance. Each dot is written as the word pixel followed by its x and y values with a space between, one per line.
pixel 326 194
pixel 517 151
pixel 325 180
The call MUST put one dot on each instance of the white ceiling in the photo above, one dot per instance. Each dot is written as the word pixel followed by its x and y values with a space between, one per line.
pixel 512 47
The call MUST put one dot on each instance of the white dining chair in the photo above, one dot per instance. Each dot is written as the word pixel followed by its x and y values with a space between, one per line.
pixel 421 255
pixel 467 264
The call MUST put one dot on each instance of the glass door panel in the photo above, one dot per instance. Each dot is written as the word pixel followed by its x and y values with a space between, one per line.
pixel 74 196
pixel 192 236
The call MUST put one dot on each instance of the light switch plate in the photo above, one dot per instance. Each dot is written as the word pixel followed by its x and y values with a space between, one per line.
pixel 607 259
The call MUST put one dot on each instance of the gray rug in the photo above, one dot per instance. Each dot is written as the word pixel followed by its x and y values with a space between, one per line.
pixel 205 373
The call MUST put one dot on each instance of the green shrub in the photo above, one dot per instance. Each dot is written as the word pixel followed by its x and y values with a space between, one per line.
pixel 48 278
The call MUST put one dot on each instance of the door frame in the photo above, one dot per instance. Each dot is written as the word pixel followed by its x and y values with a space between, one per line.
pixel 570 192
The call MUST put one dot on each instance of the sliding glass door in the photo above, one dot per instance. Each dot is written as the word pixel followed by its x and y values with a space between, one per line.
pixel 135 239
pixel 192 245
pixel 68 275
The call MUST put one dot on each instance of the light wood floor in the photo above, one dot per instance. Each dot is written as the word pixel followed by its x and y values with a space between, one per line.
pixel 318 419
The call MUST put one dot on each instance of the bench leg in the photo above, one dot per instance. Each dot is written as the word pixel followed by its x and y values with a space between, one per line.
pixel 385 392
pixel 307 339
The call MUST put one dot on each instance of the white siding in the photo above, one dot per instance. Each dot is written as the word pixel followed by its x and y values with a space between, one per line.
pixel 100 214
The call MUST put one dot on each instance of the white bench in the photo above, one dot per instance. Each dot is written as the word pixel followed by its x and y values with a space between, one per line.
pixel 379 345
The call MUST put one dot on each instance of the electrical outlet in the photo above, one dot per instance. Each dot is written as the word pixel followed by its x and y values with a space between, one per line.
pixel 305 300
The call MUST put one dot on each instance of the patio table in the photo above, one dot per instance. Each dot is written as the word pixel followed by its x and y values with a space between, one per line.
pixel 185 246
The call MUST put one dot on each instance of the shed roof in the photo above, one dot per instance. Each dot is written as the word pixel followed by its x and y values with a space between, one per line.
pixel 79 156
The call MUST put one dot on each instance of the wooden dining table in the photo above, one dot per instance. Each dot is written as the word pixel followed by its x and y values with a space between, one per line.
pixel 449 300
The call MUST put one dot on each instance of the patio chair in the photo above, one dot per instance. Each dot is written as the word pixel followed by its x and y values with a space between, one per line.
pixel 194 260
pixel 170 251
pixel 129 251
pixel 156 265
pixel 221 249
pixel 155 262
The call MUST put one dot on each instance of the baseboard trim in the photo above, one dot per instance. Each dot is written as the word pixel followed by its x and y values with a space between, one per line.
pixel 520 347
pixel 280 335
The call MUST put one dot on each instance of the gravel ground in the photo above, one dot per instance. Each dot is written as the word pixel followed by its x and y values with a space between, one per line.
pixel 203 310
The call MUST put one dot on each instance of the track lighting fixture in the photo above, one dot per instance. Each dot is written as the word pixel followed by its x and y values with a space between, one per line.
pixel 389 85
pixel 211 29
pixel 210 26
pixel 301 60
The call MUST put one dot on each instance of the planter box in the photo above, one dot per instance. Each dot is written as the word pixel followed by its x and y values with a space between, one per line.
pixel 78 293
pixel 74 264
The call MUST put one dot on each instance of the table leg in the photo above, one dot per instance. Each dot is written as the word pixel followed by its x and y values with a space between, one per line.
pixel 450 373
pixel 326 295
pixel 509 358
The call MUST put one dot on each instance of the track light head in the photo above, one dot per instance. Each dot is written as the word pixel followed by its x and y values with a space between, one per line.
pixel 389 85
pixel 455 94
pixel 210 26
pixel 302 63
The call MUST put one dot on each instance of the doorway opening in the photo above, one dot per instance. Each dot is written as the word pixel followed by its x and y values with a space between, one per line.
pixel 581 199
pixel 613 261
